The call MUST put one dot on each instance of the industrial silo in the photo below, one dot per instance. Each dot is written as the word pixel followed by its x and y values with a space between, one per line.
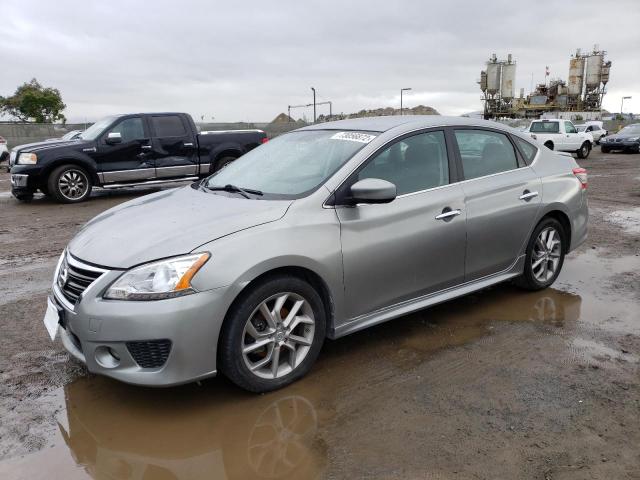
pixel 594 70
pixel 508 81
pixel 576 75
pixel 605 72
pixel 493 77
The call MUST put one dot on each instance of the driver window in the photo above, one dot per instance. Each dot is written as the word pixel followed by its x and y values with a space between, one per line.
pixel 412 164
pixel 129 129
pixel 569 128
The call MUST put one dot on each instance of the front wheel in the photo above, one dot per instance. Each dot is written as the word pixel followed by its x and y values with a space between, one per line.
pixel 545 256
pixel 69 184
pixel 273 334
pixel 604 149
pixel 584 150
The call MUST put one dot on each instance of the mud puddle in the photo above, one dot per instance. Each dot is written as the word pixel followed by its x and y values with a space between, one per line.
pixel 104 429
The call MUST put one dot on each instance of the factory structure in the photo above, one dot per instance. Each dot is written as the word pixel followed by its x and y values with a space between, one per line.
pixel 581 94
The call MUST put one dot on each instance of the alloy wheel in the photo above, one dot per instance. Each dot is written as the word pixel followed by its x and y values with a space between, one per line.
pixel 73 184
pixel 546 254
pixel 278 335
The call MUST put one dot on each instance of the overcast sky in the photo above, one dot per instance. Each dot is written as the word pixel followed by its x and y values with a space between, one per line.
pixel 246 60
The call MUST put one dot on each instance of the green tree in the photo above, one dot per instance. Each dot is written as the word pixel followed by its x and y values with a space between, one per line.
pixel 33 102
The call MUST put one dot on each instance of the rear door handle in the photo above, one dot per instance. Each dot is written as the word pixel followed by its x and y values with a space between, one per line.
pixel 146 147
pixel 527 195
pixel 448 214
pixel 188 144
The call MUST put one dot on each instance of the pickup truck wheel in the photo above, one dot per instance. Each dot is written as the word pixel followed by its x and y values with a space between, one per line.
pixel 223 162
pixel 272 334
pixel 549 145
pixel 69 184
pixel 584 150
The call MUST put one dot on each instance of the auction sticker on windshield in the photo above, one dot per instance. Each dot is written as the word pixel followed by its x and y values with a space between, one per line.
pixel 354 137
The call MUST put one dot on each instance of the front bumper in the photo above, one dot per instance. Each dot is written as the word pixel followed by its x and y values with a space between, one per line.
pixel 631 146
pixel 100 333
pixel 25 178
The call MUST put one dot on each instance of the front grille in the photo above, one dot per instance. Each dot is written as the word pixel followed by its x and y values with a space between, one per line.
pixel 150 353
pixel 74 277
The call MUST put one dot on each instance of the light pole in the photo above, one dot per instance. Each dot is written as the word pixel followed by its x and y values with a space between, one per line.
pixel 402 90
pixel 314 104
pixel 622 103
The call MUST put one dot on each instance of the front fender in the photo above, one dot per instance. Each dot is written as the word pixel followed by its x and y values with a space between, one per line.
pixel 74 158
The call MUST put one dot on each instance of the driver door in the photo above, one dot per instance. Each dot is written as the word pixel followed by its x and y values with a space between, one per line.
pixel 129 159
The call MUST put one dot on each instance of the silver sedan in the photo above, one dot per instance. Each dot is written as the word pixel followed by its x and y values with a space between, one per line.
pixel 317 234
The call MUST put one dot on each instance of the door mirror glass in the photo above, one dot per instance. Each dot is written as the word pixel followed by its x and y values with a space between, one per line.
pixel 113 138
pixel 373 190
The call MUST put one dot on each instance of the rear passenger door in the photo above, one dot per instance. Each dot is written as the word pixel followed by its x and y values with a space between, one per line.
pixel 175 151
pixel 407 248
pixel 502 197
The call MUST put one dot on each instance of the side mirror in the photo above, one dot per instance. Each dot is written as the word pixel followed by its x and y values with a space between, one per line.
pixel 113 138
pixel 373 190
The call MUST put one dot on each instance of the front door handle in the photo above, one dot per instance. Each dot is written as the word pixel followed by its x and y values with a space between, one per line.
pixel 527 195
pixel 448 214
pixel 188 144
pixel 146 147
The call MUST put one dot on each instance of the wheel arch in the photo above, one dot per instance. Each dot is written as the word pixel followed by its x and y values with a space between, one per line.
pixel 564 220
pixel 549 144
pixel 89 166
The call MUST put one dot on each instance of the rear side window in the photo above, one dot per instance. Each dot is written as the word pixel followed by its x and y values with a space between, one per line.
pixel 528 151
pixel 168 126
pixel 484 153
pixel 545 127
pixel 412 164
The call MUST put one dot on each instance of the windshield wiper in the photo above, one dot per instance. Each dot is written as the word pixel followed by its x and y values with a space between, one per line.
pixel 234 189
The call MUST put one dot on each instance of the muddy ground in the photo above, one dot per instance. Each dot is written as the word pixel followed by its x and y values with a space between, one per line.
pixel 499 384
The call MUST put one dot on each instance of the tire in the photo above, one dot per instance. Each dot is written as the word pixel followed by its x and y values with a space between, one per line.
pixel 24 197
pixel 69 184
pixel 584 150
pixel 549 145
pixel 223 162
pixel 604 149
pixel 533 278
pixel 254 371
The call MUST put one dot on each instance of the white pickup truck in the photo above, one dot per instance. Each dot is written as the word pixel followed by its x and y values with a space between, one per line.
pixel 561 135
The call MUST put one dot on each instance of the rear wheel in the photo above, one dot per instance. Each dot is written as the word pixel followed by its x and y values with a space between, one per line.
pixel 584 150
pixel 545 256
pixel 223 162
pixel 69 184
pixel 273 334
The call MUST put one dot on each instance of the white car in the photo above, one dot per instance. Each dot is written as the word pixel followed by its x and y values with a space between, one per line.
pixel 562 136
pixel 595 129
pixel 4 151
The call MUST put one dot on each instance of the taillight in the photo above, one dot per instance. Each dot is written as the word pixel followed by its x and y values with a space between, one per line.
pixel 581 175
pixel 264 140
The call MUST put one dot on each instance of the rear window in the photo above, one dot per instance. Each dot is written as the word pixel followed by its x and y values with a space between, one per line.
pixel 527 150
pixel 544 127
pixel 168 126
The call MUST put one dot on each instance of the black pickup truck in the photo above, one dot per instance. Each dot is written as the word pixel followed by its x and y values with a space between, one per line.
pixel 125 150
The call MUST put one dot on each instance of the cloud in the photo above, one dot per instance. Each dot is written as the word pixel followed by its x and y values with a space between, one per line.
pixel 249 60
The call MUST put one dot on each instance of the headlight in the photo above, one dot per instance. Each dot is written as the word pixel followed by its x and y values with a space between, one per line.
pixel 158 280
pixel 634 139
pixel 27 159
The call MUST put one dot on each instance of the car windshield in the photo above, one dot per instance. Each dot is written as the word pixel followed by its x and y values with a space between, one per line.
pixel 291 165
pixel 70 135
pixel 544 127
pixel 96 129
pixel 631 130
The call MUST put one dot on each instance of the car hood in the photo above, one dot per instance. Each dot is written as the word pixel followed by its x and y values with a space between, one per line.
pixel 49 145
pixel 168 223
pixel 622 136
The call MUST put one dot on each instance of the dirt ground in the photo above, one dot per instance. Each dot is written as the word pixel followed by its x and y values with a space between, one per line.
pixel 501 384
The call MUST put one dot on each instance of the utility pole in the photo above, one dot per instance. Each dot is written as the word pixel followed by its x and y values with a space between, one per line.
pixel 622 103
pixel 314 104
pixel 402 90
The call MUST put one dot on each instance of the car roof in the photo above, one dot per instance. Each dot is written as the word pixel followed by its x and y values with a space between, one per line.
pixel 386 123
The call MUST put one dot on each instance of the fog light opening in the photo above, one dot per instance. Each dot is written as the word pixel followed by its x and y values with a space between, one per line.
pixel 107 357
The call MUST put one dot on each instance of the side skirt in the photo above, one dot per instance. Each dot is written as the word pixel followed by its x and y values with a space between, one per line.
pixel 389 313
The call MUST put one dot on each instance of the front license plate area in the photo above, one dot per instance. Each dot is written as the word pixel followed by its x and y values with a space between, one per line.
pixel 51 319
